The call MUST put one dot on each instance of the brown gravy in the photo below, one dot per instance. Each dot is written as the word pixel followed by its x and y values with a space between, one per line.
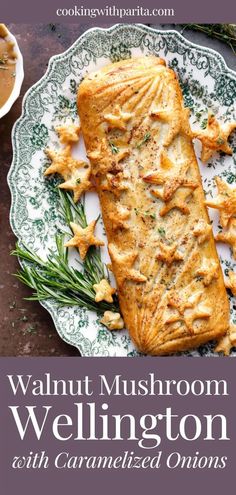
pixel 7 66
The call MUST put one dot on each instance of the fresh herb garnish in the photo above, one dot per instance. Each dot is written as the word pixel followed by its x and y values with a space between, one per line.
pixel 223 32
pixel 114 148
pixel 161 231
pixel 204 124
pixel 146 138
pixel 55 278
pixel 220 141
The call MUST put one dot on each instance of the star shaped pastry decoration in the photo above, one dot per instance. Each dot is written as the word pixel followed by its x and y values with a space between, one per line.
pixel 178 201
pixel 168 254
pixel 118 118
pixel 169 179
pixel 226 343
pixel 178 122
pixel 202 230
pixel 231 283
pixel 229 236
pixel 209 270
pixel 100 158
pixel 215 137
pixel 187 309
pixel 123 266
pixel 118 216
pixel 113 321
pixel 78 183
pixel 104 161
pixel 83 238
pixel 115 184
pixel 104 291
pixel 225 201
pixel 63 162
pixel 68 133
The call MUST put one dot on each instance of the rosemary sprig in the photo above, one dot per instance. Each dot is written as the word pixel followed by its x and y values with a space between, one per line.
pixel 54 278
pixel 222 32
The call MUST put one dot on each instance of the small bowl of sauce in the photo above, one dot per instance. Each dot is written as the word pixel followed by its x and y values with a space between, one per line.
pixel 11 70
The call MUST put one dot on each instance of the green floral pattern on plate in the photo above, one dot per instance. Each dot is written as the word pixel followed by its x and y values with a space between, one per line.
pixel 206 82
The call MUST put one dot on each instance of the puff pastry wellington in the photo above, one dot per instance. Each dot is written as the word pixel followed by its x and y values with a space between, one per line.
pixel 139 142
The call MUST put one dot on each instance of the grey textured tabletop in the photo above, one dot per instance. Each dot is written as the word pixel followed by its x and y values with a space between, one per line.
pixel 26 329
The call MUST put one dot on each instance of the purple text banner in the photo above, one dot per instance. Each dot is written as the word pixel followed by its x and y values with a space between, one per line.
pixel 111 425
pixel 104 11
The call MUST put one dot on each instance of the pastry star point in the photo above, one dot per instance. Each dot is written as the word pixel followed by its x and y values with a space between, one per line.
pixel 215 137
pixel 228 341
pixel 68 133
pixel 117 217
pixel 83 238
pixel 178 201
pixel 118 118
pixel 178 122
pixel 104 291
pixel 171 180
pixel 63 162
pixel 115 184
pixel 113 321
pixel 123 264
pixel 231 283
pixel 225 201
pixel 103 160
pixel 229 236
pixel 209 270
pixel 202 230
pixel 168 254
pixel 188 309
pixel 77 183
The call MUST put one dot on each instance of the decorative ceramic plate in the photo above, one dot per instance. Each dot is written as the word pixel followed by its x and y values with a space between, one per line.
pixel 206 82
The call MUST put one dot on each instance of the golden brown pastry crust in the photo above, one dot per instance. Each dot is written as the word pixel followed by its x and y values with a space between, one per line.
pixel 138 139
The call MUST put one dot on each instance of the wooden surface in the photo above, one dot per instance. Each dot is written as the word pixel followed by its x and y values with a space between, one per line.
pixel 26 329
